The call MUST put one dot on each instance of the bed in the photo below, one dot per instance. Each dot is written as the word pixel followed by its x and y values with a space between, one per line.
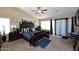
pixel 27 35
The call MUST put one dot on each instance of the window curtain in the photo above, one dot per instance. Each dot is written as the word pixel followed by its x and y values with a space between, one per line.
pixel 58 27
pixel 51 27
pixel 64 27
pixel 61 27
pixel 72 27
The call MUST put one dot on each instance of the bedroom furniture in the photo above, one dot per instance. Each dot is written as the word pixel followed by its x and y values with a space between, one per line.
pixel 37 36
pixel 38 28
pixel 33 37
pixel 26 35
pixel 14 35
pixel 26 24
pixel 0 45
pixel 0 42
pixel 75 38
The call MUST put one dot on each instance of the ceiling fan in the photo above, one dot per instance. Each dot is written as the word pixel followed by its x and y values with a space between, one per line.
pixel 40 10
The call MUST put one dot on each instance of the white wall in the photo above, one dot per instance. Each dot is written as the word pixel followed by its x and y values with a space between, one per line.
pixel 15 15
pixel 69 25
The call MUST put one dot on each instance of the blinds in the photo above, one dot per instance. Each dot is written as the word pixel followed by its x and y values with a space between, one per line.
pixel 45 25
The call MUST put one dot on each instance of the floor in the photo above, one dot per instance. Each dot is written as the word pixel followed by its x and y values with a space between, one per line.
pixel 56 44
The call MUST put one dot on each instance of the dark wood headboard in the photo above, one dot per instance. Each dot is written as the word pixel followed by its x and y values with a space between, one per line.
pixel 26 24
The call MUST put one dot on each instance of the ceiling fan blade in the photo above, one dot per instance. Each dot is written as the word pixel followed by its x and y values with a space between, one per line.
pixel 44 10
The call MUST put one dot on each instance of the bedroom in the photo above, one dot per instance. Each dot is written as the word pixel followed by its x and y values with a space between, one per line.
pixel 51 21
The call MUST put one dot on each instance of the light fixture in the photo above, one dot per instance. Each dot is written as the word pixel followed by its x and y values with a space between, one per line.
pixel 40 10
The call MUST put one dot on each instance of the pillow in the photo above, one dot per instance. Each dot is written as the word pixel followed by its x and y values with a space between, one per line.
pixel 27 29
pixel 33 29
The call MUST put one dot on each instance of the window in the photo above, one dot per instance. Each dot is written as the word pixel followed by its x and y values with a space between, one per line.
pixel 4 25
pixel 45 25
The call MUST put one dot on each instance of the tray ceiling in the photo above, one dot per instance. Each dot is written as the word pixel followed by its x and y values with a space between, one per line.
pixel 52 12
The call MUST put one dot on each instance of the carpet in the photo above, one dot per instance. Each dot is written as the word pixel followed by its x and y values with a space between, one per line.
pixel 43 42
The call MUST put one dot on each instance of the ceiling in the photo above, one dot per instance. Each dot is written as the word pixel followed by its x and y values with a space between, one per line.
pixel 52 12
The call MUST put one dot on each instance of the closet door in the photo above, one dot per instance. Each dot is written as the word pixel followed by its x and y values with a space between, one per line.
pixel 58 27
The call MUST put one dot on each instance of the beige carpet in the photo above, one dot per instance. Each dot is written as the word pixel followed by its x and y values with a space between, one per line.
pixel 57 44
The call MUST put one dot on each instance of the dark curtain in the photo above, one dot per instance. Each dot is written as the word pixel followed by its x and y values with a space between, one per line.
pixel 55 26
pixel 51 30
pixel 67 26
pixel 72 27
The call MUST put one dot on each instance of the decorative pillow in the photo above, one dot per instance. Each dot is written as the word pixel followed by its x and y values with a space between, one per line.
pixel 33 29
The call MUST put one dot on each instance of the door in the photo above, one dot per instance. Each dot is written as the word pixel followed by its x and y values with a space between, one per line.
pixel 61 27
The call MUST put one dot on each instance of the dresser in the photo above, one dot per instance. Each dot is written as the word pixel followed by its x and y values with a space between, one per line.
pixel 0 42
pixel 14 35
